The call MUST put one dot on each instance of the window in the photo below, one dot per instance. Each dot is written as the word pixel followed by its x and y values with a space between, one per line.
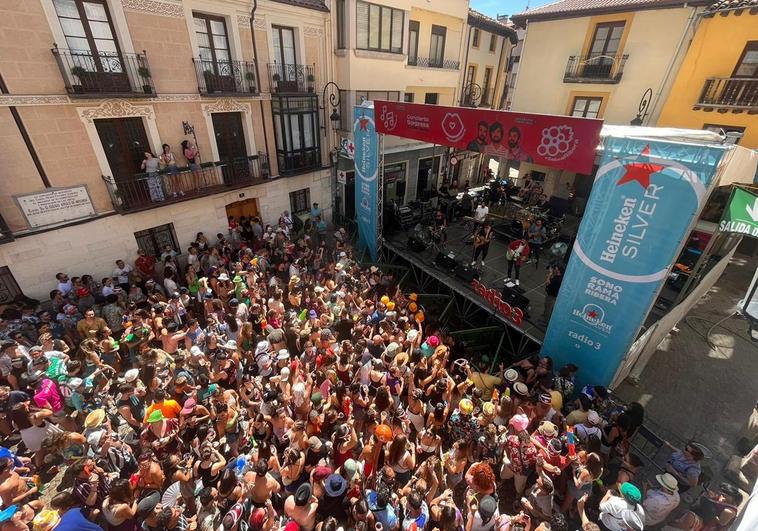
pixel 413 29
pixel 431 97
pixel 153 240
pixel 89 34
pixel 493 42
pixel 380 28
pixel 437 46
pixel 284 45
pixel 408 97
pixel 736 130
pixel 586 107
pixel 747 66
pixel 394 182
pixel 476 38
pixel 607 39
pixel 470 74
pixel 212 40
pixel 296 126
pixel 341 24
pixel 300 201
pixel 371 95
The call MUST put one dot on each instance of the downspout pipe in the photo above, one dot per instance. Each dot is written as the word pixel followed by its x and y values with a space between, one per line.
pixel 465 62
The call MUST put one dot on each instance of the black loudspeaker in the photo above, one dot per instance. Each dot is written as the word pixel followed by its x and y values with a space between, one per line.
pixel 466 273
pixel 514 298
pixel 445 262
pixel 416 245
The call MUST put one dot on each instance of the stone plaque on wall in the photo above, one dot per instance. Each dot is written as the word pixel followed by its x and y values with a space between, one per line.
pixel 56 205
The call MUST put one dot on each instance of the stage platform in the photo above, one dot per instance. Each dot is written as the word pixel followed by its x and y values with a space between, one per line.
pixel 492 274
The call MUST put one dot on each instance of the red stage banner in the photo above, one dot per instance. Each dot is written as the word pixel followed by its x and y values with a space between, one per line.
pixel 561 142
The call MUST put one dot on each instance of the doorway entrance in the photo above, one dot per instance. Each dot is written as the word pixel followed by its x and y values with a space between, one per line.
pixel 230 142
pixel 428 169
pixel 246 207
pixel 124 141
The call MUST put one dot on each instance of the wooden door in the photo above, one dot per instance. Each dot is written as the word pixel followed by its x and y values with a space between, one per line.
pixel 247 208
pixel 124 141
pixel 230 142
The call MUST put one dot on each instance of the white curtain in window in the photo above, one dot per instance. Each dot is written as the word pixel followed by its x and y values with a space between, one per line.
pixel 362 25
pixel 295 127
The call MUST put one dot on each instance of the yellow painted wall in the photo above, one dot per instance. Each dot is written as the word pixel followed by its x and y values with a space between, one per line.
pixel 714 52
pixel 651 43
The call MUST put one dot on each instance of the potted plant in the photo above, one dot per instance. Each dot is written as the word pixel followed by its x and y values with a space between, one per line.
pixel 144 74
pixel 78 72
pixel 250 77
pixel 311 79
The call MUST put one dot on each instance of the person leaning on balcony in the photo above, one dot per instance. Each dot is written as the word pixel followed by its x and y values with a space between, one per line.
pixel 168 162
pixel 192 155
pixel 151 165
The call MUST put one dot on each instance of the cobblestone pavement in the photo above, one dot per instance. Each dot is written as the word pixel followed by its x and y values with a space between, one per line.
pixel 699 392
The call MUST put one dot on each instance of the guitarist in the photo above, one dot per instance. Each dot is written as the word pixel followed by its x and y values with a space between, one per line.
pixel 482 240
pixel 516 255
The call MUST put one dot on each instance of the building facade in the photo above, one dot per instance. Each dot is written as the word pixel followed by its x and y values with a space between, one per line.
pixel 717 84
pixel 90 86
pixel 489 43
pixel 400 51
pixel 598 60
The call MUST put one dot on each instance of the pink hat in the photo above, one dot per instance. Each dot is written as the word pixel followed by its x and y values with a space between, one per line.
pixel 519 422
pixel 433 341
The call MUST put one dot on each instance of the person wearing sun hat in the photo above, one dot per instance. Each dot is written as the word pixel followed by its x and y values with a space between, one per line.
pixel 334 502
pixel 521 453
pixel 661 501
pixel 462 423
pixel 622 511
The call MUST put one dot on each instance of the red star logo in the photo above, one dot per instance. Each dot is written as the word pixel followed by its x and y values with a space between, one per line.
pixel 363 122
pixel 592 314
pixel 640 171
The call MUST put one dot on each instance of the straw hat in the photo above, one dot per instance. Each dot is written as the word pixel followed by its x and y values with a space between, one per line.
pixel 94 419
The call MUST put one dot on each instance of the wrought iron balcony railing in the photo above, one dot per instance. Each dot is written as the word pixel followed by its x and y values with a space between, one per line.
pixel 736 94
pixel 104 73
pixel 476 96
pixel 225 77
pixel 291 78
pixel 595 68
pixel 144 191
pixel 433 62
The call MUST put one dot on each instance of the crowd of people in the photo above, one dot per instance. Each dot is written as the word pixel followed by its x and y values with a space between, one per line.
pixel 268 381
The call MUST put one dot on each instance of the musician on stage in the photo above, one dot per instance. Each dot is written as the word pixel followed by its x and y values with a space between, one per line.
pixel 480 215
pixel 482 240
pixel 516 255
pixel 440 224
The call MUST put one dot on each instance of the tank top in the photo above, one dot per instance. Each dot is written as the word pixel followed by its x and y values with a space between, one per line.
pixel 206 474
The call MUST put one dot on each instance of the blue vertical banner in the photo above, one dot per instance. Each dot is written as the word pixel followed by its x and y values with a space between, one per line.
pixel 366 142
pixel 643 200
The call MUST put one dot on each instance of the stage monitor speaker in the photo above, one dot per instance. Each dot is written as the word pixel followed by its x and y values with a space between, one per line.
pixel 445 261
pixel 514 298
pixel 466 272
pixel 416 245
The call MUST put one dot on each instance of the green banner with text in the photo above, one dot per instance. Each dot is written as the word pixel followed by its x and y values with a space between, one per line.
pixel 741 214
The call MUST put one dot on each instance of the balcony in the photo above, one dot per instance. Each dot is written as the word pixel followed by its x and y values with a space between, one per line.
pixel 729 94
pixel 475 96
pixel 88 74
pixel 142 192
pixel 426 62
pixel 593 68
pixel 225 77
pixel 289 78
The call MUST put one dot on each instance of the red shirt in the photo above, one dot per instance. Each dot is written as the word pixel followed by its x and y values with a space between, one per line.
pixel 146 264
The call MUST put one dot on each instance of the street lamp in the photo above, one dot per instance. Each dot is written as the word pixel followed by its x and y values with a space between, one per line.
pixel 472 94
pixel 642 109
pixel 334 118
pixel 334 103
